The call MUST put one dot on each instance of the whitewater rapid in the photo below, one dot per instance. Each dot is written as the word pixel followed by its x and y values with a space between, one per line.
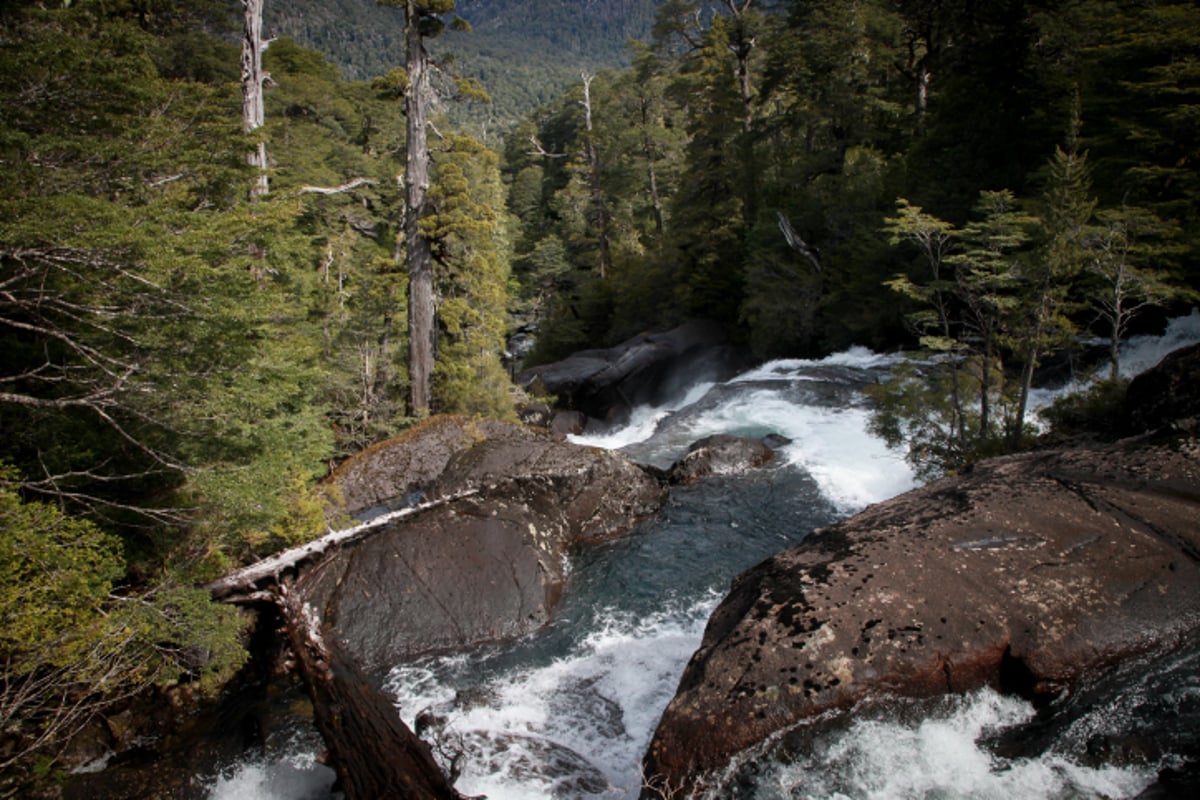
pixel 568 712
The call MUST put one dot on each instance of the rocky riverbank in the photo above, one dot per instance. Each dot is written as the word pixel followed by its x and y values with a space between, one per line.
pixel 1027 574
pixel 487 567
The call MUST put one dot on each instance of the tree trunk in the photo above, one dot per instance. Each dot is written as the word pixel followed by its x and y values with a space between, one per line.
pixel 599 207
pixel 421 303
pixel 253 116
pixel 985 388
pixel 648 151
pixel 375 754
pixel 1017 434
pixel 741 47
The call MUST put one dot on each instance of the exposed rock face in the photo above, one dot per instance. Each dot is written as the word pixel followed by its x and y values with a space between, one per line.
pixel 566 423
pixel 1167 395
pixel 719 455
pixel 411 461
pixel 1025 574
pixel 485 567
pixel 648 368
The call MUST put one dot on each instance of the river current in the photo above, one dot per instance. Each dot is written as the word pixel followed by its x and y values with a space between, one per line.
pixel 568 712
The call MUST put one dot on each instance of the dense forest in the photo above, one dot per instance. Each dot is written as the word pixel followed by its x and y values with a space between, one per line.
pixel 191 338
pixel 527 52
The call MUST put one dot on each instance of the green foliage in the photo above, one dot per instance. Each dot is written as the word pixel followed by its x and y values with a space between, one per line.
pixel 848 106
pixel 521 66
pixel 1095 411
pixel 467 229
pixel 920 408
pixel 1118 283
pixel 71 645
pixel 57 573
pixel 973 287
pixel 180 363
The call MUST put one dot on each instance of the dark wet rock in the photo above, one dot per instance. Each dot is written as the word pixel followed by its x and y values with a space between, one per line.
pixel 1166 395
pixel 776 441
pixel 566 773
pixel 721 454
pixel 647 369
pixel 485 567
pixel 568 423
pixel 174 746
pixel 1028 574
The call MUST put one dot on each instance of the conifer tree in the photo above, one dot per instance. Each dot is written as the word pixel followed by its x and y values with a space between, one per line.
pixel 1044 321
pixel 987 274
pixel 422 21
pixel 469 242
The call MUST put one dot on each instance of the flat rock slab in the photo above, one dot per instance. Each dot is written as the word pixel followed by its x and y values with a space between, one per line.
pixel 1025 574
pixel 482 568
pixel 410 462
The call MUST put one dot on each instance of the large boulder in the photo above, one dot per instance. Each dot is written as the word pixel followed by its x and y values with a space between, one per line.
pixel 1166 395
pixel 487 566
pixel 647 369
pixel 1026 574
pixel 395 470
pixel 721 454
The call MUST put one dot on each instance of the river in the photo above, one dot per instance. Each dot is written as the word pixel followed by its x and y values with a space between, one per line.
pixel 567 712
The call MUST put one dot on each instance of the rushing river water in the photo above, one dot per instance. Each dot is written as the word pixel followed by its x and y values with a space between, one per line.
pixel 568 712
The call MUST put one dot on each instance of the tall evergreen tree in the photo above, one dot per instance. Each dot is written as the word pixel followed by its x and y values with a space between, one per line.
pixel 422 21
pixel 469 238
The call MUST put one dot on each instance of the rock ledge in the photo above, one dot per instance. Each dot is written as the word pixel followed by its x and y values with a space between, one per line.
pixel 1026 574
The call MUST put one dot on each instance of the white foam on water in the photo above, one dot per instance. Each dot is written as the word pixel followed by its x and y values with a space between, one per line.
pixel 579 724
pixel 941 757
pixel 852 467
pixel 788 369
pixel 297 776
pixel 643 422
pixel 1138 354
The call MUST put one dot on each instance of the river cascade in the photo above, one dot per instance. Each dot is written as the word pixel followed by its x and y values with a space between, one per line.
pixel 567 712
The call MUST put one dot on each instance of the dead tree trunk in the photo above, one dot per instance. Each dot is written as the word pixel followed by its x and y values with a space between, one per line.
pixel 262 579
pixel 599 207
pixel 253 116
pixel 421 302
pixel 375 754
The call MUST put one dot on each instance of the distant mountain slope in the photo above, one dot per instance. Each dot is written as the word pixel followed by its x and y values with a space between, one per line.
pixel 525 51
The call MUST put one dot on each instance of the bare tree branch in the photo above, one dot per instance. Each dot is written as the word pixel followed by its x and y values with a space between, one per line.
pixel 345 187
pixel 541 151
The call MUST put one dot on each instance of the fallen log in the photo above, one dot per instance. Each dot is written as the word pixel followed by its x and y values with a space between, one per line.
pixel 244 585
pixel 376 756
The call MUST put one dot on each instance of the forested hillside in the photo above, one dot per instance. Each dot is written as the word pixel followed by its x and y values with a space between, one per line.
pixel 187 342
pixel 203 308
pixel 525 52
pixel 988 181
